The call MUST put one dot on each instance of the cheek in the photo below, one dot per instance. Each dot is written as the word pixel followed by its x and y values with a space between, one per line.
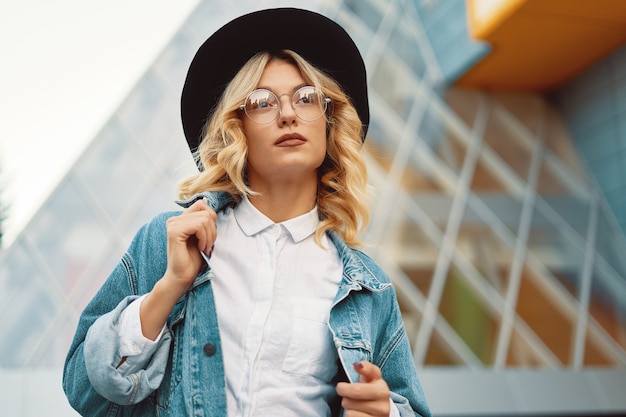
pixel 253 139
pixel 255 152
pixel 322 149
pixel 324 138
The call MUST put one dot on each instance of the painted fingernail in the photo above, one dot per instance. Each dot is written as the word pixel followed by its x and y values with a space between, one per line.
pixel 357 365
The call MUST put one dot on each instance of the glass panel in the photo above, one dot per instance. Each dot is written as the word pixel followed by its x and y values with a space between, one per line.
pixel 366 12
pixel 361 35
pixel 411 319
pixel 558 142
pixel 403 45
pixel 610 242
pixel 211 15
pixel 554 247
pixel 464 103
pixel 163 127
pixel 440 353
pixel 468 315
pixel 595 354
pixel 445 142
pixel 521 353
pixel 540 310
pixel 172 64
pixel 29 303
pixel 151 113
pixel 491 257
pixel 528 109
pixel 417 255
pixel 397 88
pixel 113 167
pixel 52 354
pixel 606 304
pixel 68 234
pixel 570 212
pixel 157 200
pixel 502 141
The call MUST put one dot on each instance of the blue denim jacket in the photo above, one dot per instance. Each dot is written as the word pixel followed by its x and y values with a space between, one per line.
pixel 185 377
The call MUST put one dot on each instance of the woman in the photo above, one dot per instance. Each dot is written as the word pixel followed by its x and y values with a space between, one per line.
pixel 252 300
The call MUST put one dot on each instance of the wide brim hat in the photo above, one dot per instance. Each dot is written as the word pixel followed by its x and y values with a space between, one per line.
pixel 318 39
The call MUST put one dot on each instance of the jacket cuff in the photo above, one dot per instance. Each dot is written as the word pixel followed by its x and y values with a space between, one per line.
pixel 102 356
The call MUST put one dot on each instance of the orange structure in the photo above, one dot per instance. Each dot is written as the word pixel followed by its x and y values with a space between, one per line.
pixel 540 44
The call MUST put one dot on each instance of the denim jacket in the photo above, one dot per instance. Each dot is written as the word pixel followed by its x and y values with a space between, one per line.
pixel 185 377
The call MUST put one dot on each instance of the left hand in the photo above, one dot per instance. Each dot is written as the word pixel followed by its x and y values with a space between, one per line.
pixel 369 396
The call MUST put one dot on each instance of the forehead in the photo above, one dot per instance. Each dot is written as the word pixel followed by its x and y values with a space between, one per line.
pixel 279 74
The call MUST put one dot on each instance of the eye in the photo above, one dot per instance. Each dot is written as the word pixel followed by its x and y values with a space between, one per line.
pixel 263 103
pixel 261 100
pixel 306 95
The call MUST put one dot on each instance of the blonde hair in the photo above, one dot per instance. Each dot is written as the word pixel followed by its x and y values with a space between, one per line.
pixel 342 190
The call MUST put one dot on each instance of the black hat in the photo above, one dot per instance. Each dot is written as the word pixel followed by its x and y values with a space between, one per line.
pixel 316 38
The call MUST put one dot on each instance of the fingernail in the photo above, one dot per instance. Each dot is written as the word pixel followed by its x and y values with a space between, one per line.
pixel 357 365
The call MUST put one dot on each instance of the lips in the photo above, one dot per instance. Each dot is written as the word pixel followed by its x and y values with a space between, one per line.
pixel 290 139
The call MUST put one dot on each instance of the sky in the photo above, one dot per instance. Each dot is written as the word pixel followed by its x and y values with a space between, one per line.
pixel 54 56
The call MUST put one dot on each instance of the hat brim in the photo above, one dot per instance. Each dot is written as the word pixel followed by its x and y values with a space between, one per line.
pixel 316 38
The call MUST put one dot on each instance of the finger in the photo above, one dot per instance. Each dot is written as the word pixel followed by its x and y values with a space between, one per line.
pixel 206 234
pixel 355 413
pixel 201 206
pixel 366 408
pixel 200 220
pixel 363 390
pixel 196 206
pixel 368 371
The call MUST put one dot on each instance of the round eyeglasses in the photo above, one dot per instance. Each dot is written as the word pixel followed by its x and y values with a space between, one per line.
pixel 262 106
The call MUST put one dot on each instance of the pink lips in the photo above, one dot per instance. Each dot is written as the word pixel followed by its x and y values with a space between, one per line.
pixel 290 139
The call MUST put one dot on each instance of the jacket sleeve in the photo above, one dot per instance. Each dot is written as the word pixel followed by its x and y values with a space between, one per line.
pixel 86 385
pixel 400 374
pixel 80 393
pixel 102 357
pixel 398 369
pixel 393 353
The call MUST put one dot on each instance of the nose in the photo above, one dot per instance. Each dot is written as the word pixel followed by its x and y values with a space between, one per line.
pixel 287 113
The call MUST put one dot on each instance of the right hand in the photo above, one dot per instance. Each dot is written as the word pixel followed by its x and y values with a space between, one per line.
pixel 188 234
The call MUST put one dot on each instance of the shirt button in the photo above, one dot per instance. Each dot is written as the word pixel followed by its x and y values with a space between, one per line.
pixel 209 349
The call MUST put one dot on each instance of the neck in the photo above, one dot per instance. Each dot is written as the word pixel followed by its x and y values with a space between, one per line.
pixel 284 200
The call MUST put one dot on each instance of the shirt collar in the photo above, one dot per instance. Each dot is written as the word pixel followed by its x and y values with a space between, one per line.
pixel 252 221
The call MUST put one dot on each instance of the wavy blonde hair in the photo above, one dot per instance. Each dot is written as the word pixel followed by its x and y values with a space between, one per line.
pixel 342 190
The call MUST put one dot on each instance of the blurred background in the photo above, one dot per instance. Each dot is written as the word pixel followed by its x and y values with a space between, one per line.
pixel 497 152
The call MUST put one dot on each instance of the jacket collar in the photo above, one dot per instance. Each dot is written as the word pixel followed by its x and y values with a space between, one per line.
pixel 357 266
pixel 217 200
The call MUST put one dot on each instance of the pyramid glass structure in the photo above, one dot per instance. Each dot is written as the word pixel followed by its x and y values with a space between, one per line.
pixel 503 251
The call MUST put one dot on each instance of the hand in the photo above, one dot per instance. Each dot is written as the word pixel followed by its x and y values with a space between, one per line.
pixel 369 396
pixel 192 232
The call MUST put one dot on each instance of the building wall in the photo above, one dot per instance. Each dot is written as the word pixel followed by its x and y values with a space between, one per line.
pixel 445 25
pixel 594 108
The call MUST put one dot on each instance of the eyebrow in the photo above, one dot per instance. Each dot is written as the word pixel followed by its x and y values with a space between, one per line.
pixel 293 90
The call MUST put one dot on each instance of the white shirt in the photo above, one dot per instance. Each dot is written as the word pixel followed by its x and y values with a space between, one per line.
pixel 273 288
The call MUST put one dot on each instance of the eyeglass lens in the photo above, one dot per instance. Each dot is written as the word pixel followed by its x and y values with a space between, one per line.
pixel 263 106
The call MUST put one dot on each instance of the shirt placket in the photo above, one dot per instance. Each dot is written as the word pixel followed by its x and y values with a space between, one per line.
pixel 259 320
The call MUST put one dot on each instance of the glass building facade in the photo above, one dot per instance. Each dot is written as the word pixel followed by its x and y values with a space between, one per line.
pixel 508 260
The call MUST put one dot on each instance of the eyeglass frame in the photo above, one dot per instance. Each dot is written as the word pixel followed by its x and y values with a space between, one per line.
pixel 325 101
